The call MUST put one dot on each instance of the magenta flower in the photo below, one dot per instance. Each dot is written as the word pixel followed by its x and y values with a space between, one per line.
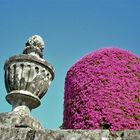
pixel 102 91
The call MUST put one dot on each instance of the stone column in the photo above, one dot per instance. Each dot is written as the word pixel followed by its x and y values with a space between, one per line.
pixel 27 79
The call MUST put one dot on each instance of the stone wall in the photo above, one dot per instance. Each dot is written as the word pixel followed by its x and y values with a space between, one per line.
pixel 30 134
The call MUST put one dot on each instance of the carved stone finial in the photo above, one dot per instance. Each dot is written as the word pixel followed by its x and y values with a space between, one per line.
pixel 34 46
pixel 27 79
pixel 35 41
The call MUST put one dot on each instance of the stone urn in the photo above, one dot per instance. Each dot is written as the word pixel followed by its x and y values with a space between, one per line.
pixel 27 79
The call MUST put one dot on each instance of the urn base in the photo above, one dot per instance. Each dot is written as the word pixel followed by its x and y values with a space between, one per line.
pixel 21 97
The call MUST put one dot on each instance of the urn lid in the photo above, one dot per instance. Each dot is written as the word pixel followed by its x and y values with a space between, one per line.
pixel 34 46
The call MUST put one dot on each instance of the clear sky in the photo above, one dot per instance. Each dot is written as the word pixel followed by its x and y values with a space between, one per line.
pixel 70 29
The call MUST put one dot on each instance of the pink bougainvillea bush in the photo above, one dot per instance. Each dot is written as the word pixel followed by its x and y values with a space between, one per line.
pixel 102 91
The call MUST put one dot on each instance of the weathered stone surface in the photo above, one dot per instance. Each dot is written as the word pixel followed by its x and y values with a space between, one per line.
pixel 28 76
pixel 27 79
pixel 17 120
pixel 30 134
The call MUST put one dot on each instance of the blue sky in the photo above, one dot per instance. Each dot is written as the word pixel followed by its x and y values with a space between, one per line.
pixel 70 29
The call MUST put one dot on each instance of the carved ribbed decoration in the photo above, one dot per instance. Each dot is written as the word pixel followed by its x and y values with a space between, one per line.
pixel 25 73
